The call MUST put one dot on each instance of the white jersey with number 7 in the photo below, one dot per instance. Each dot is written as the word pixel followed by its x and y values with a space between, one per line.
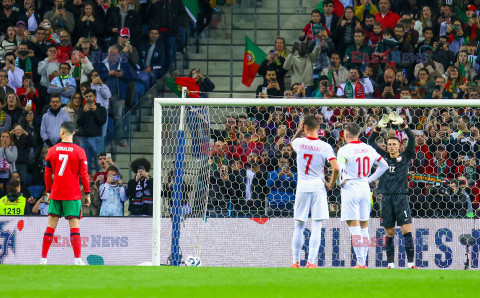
pixel 311 156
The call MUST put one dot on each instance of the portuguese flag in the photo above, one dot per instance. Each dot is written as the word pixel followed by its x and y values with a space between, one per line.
pixel 176 84
pixel 252 59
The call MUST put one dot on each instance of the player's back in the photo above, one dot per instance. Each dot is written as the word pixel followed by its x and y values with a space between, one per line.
pixel 67 162
pixel 311 156
pixel 359 160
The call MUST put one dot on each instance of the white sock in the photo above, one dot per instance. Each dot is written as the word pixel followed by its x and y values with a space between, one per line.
pixel 297 241
pixel 356 243
pixel 410 265
pixel 365 242
pixel 315 240
pixel 391 265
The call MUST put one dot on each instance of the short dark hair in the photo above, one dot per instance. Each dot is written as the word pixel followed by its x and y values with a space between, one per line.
pixel 359 31
pixel 67 64
pixel 369 16
pixel 89 91
pixel 26 77
pixel 101 154
pixel 12 186
pixel 326 2
pixel 9 54
pixel 311 122
pixel 55 95
pixel 353 129
pixel 388 31
pixel 399 25
pixel 315 11
pixel 68 127
pixel 142 161
pixel 112 168
pixel 428 29
pixel 394 138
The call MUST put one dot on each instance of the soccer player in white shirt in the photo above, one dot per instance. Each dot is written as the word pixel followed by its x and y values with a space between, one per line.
pixel 356 160
pixel 311 194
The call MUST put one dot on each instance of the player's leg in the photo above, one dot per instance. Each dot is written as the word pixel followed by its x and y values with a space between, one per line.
pixel 73 212
pixel 404 218
pixel 365 209
pixel 319 210
pixel 300 213
pixel 55 211
pixel 388 222
pixel 350 212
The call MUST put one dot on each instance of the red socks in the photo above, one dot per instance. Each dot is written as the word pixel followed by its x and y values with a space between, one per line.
pixel 76 242
pixel 47 241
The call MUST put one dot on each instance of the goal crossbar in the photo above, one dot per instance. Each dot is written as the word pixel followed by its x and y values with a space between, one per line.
pixel 338 102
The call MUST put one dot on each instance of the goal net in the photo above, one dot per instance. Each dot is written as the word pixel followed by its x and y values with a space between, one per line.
pixel 228 180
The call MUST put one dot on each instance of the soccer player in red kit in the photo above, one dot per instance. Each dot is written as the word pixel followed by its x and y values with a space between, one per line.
pixel 66 162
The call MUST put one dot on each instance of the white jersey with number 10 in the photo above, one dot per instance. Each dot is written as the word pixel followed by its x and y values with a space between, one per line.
pixel 359 158
pixel 311 156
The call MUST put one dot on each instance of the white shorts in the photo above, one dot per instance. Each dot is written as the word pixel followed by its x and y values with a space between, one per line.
pixel 355 202
pixel 314 202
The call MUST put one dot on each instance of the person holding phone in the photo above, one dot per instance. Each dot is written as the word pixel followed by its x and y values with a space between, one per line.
pixel 205 84
pixel 60 17
pixel 27 93
pixel 140 188
pixel 275 61
pixel 112 193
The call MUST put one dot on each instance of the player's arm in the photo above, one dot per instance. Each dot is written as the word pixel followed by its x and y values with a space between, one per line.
pixel 48 174
pixel 335 170
pixel 382 167
pixel 299 131
pixel 372 139
pixel 84 178
pixel 342 162
pixel 397 120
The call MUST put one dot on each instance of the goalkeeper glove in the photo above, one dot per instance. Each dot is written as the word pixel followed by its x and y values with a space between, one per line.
pixel 396 119
pixel 384 121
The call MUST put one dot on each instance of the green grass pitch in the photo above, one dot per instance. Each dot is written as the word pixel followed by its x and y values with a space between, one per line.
pixel 112 281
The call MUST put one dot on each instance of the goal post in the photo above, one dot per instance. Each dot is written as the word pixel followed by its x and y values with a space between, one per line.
pixel 183 127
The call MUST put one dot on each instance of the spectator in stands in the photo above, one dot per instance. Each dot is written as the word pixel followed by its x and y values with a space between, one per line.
pixel 51 121
pixel 404 47
pixel 237 177
pixel 65 47
pixel 33 129
pixel 220 190
pixel 14 197
pixel 24 144
pixel 165 16
pixel 323 90
pixel 358 53
pixel 327 48
pixel 328 18
pixel 48 68
pixel 112 194
pixel 365 9
pixel 457 36
pixel 8 157
pixel 313 28
pixel 282 183
pixel 80 67
pixel 15 74
pixel 205 84
pixel 39 44
pixel 425 22
pixel 442 53
pixel 343 34
pixel 466 67
pixel 275 61
pixel 140 188
pixel 30 17
pixel 388 18
pixel 445 18
pixel 9 43
pixel 8 16
pixel 13 108
pixel 87 25
pixel 353 88
pixel 27 61
pixel 41 205
pixel 434 69
pixel 301 65
pixel 426 40
pixel 90 120
pixel 4 88
pixel 105 161
pixel 271 85
pixel 27 94
pixel 63 84
pixel 87 46
pixel 390 88
pixel 152 55
pixel 74 106
pixel 60 17
pixel 116 74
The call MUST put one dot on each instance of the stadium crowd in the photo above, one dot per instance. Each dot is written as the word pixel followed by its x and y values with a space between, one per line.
pixel 88 62
pixel 409 49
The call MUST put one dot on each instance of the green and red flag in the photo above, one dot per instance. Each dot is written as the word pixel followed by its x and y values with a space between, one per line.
pixel 176 84
pixel 252 59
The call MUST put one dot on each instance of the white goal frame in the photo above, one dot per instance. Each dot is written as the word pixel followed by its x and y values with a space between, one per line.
pixel 244 102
